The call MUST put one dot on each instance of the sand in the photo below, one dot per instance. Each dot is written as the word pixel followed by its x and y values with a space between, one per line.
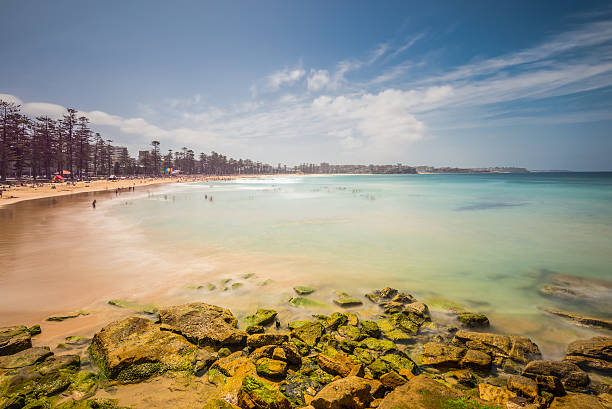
pixel 31 191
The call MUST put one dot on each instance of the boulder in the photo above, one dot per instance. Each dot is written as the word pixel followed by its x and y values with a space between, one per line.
pixel 271 368
pixel 258 394
pixel 578 400
pixel 580 319
pixel 401 364
pixel 135 349
pixel 262 317
pixel 259 340
pixel 572 377
pixel 345 300
pixel 476 360
pixel 309 333
pixel 346 393
pixel 300 388
pixel 392 380
pixel 335 362
pixel 290 352
pixel 26 357
pixel 303 290
pixel 203 324
pixel 442 355
pixel 59 363
pixel 421 392
pixel 495 394
pixel 370 328
pixel 14 339
pixel 522 386
pixel 471 320
pixel 594 354
pixel 520 349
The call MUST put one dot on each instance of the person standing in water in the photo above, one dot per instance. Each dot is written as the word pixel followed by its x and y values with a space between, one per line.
pixel 93 204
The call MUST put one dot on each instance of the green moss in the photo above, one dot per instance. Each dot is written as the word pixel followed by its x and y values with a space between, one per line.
pixel 371 328
pixel 215 376
pixel 77 340
pixel 464 403
pixel 194 287
pixel 140 372
pixel 211 286
pixel 261 317
pixel 130 305
pixel 247 275
pixel 379 367
pixel 380 345
pixel 85 383
pixel 440 303
pixel 223 352
pixel 304 302
pixel 236 286
pixel 34 330
pixel 261 391
pixel 303 290
pixel 363 355
pixel 296 324
pixel 67 316
pixel 399 362
pixel 350 332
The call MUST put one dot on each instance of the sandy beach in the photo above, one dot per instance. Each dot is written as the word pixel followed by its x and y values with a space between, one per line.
pixel 32 191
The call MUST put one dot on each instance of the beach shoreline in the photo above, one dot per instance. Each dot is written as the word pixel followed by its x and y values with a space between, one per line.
pixel 32 191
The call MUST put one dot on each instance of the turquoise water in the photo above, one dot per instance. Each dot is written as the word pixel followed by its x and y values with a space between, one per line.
pixel 486 239
pixel 486 242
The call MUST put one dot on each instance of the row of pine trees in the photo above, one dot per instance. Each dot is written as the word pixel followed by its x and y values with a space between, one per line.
pixel 42 147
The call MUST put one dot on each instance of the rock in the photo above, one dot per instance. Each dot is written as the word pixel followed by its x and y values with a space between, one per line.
pixel 392 380
pixel 26 357
pixel 572 377
pixel 379 367
pixel 471 320
pixel 305 302
pixel 309 333
pixel 14 339
pixel 134 306
pixel 370 328
pixel 296 324
pixel 261 317
pixel 59 362
pixel 134 349
pixel 397 335
pixel 352 319
pixel 476 360
pixel 84 385
pixel 418 308
pixel 442 355
pixel 421 392
pixel 66 316
pixel 335 362
pixel 345 300
pixel 464 377
pixel 203 324
pixel 77 340
pixel 400 363
pixel 521 349
pixel 495 394
pixel 299 388
pixel 346 393
pixel 290 352
pixel 259 340
pixel 255 329
pixel 578 400
pixel 34 330
pixel 205 357
pixel 379 345
pixel 522 386
pixel 219 404
pixel 303 290
pixel 32 385
pixel 271 368
pixel 352 333
pixel 582 319
pixel 257 394
pixel 593 354
pixel 90 404
pixel 332 322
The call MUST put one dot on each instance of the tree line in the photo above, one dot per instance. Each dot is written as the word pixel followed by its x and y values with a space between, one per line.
pixel 42 147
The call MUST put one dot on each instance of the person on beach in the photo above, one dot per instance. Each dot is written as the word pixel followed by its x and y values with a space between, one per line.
pixel 93 204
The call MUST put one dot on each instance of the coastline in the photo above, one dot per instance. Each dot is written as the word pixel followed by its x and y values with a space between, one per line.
pixel 47 190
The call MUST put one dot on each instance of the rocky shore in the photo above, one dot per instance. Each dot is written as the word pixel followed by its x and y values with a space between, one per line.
pixel 400 359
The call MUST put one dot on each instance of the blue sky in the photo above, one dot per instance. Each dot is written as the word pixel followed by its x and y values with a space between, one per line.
pixel 459 83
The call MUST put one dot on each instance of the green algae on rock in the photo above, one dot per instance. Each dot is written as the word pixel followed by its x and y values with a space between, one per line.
pixel 472 320
pixel 67 316
pixel 303 290
pixel 304 302
pixel 261 317
pixel 135 349
pixel 309 333
pixel 134 306
pixel 345 300
pixel 255 393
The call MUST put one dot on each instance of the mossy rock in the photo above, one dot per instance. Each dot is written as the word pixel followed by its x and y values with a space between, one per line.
pixel 333 321
pixel 216 403
pixel 399 362
pixel 296 324
pixel 298 386
pixel 472 320
pixel 397 335
pixel 130 305
pixel 255 393
pixel 371 328
pixel 352 333
pixel 91 404
pixel 302 348
pixel 380 345
pixel 24 358
pixel 255 329
pixel 194 287
pixel 303 290
pixel 345 300
pixel 34 330
pixel 309 303
pixel 261 317
pixel 379 367
pixel 308 333
pixel 236 286
pixel 84 384
pixel 353 319
pixel 364 355
pixel 247 276
pixel 441 303
pixel 211 286
pixel 77 340
pixel 58 318
pixel 271 368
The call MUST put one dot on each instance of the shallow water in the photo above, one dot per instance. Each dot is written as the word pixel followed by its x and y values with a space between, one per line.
pixel 488 242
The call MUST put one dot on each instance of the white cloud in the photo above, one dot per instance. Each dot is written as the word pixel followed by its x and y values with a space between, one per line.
pixel 284 77
pixel 318 79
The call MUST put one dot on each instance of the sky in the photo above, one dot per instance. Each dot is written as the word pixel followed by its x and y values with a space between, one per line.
pixel 442 83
